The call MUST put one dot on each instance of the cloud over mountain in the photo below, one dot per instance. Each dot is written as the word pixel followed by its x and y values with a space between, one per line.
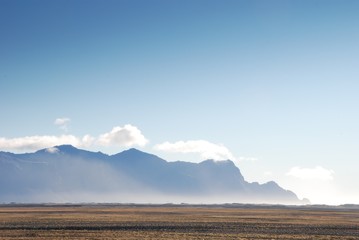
pixel 207 150
pixel 126 136
pixel 37 142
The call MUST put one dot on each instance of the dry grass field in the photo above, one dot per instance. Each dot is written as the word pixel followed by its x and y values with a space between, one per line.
pixel 176 222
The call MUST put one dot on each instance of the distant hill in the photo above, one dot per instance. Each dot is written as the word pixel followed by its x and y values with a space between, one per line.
pixel 67 174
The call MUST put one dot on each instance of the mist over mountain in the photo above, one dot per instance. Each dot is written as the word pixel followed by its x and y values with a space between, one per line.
pixel 67 174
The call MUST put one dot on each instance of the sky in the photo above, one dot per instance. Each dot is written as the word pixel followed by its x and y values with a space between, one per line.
pixel 271 85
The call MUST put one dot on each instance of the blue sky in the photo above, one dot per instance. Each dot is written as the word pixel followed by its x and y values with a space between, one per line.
pixel 272 84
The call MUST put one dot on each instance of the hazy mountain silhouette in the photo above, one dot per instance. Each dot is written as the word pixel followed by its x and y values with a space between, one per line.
pixel 65 173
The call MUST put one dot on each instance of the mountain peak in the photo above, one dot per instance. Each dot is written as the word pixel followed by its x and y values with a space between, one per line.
pixel 217 162
pixel 134 154
pixel 133 150
pixel 66 147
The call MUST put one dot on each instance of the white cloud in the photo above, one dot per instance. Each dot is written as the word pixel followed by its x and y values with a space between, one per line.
pixel 318 173
pixel 52 150
pixel 87 140
pixel 207 150
pixel 119 136
pixel 123 136
pixel 62 123
pixel 37 142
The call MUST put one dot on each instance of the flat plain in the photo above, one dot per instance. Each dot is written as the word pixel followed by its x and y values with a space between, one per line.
pixel 176 222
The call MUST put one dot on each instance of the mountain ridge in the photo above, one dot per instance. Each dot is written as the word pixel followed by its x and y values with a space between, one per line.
pixel 131 175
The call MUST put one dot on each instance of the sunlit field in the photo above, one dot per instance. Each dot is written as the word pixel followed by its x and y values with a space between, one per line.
pixel 176 222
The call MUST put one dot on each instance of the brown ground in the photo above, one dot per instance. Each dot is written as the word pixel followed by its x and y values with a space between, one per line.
pixel 141 222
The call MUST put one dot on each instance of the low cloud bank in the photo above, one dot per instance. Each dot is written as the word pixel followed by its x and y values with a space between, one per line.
pixel 126 136
pixel 207 150
pixel 37 142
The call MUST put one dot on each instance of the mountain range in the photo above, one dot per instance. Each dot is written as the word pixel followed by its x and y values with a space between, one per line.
pixel 68 174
